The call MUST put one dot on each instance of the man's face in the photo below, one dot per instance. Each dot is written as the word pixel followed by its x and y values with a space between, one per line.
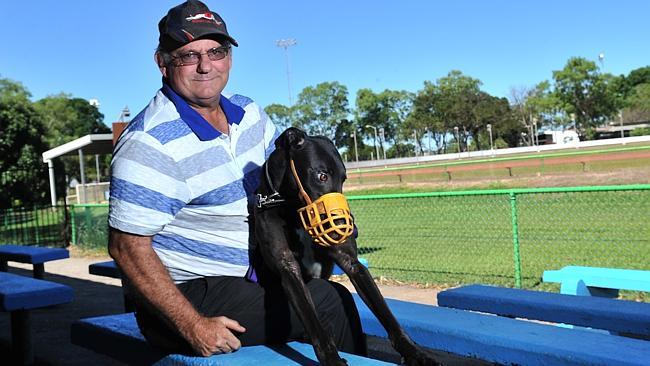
pixel 200 84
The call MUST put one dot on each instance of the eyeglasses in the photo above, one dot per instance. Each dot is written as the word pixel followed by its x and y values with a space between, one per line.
pixel 193 58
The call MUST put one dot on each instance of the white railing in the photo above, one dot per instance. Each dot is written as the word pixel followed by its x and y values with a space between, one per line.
pixel 493 153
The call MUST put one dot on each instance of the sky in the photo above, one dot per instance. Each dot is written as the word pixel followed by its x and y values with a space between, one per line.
pixel 104 50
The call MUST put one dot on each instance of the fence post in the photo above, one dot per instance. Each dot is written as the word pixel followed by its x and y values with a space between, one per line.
pixel 73 225
pixel 23 225
pixel 10 213
pixel 515 239
pixel 37 227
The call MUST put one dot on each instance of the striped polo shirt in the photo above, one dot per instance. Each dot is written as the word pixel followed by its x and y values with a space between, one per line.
pixel 176 178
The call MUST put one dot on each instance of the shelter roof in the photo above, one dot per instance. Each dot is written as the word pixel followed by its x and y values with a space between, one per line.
pixel 90 144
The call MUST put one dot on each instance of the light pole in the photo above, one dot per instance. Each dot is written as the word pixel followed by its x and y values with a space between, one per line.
pixel 381 141
pixel 415 141
pixel 489 128
pixel 356 153
pixel 457 138
pixel 286 43
pixel 620 117
pixel 376 146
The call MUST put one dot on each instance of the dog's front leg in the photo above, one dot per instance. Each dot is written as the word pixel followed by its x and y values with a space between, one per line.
pixel 278 256
pixel 345 256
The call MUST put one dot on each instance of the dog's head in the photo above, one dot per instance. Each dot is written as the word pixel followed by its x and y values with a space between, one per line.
pixel 312 179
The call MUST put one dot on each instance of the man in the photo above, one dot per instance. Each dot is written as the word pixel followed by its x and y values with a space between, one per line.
pixel 183 176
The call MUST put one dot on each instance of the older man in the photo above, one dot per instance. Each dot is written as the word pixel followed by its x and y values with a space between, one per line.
pixel 183 176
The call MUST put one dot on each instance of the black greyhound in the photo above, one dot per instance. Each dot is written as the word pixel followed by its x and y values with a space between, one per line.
pixel 301 170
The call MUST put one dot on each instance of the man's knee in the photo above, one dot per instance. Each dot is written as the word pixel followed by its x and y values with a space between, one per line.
pixel 331 298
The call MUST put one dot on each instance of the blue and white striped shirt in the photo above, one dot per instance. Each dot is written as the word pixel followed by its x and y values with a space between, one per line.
pixel 178 179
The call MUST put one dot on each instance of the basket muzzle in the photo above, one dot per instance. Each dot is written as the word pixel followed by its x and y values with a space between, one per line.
pixel 327 219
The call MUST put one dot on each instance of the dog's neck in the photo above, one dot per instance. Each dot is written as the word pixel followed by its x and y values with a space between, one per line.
pixel 268 196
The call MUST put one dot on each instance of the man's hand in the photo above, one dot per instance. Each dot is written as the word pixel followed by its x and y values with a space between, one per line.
pixel 150 280
pixel 214 335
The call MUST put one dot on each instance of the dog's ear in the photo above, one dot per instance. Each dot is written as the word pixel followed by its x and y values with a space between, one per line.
pixel 291 138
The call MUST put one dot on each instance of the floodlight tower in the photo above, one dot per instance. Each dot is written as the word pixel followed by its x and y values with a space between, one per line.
pixel 285 44
pixel 601 59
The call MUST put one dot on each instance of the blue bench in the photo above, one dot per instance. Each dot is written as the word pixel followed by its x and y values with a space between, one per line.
pixel 109 269
pixel 30 254
pixel 106 269
pixel 627 317
pixel 118 336
pixel 598 281
pixel 19 295
pixel 485 337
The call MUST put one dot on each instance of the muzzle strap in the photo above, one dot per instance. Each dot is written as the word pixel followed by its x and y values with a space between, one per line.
pixel 301 190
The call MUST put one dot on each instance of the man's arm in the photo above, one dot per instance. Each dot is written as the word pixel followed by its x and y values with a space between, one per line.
pixel 151 282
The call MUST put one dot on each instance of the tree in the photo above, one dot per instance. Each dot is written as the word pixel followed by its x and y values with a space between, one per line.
pixel 66 118
pixel 634 78
pixel 638 104
pixel 455 106
pixel 320 109
pixel 536 108
pixel 427 114
pixel 21 146
pixel 588 95
pixel 386 110
pixel 636 89
pixel 280 115
pixel 459 95
pixel 493 111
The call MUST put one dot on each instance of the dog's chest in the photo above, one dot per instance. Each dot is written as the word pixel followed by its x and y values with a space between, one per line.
pixel 310 256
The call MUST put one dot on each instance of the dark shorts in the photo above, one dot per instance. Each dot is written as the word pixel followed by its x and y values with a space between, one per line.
pixel 264 311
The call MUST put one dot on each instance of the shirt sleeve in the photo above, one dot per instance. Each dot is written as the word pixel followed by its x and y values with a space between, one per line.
pixel 147 188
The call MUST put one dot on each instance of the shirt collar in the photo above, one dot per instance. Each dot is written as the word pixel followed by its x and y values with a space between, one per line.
pixel 202 128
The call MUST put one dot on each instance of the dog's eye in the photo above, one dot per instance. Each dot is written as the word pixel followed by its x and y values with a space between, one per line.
pixel 322 177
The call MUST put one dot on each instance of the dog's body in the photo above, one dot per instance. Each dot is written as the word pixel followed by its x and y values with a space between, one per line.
pixel 291 254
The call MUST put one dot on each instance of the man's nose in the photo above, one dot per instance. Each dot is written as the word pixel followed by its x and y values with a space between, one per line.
pixel 204 65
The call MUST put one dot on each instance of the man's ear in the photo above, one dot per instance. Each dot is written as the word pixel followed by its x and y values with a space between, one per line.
pixel 160 61
pixel 291 138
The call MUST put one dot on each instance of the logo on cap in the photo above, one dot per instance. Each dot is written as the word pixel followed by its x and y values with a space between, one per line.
pixel 203 17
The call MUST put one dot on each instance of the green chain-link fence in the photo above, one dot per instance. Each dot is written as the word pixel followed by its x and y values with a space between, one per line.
pixel 40 225
pixel 504 237
pixel 89 224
